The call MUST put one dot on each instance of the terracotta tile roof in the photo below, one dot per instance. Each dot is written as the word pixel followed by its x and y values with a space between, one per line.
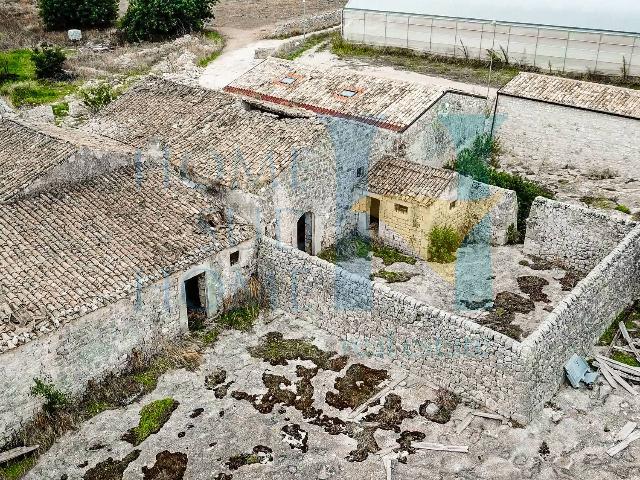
pixel 28 152
pixel 67 253
pixel 408 181
pixel 575 93
pixel 210 132
pixel 388 104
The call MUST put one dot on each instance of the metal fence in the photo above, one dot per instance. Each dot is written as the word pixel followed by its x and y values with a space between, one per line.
pixel 553 49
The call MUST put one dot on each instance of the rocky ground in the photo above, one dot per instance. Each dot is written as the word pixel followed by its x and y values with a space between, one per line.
pixel 276 404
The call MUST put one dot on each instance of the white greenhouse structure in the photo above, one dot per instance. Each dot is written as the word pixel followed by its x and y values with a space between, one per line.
pixel 559 35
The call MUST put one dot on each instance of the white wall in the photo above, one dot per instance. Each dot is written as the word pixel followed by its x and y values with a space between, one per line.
pixel 560 49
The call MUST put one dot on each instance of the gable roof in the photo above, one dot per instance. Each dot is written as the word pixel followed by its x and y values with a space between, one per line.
pixel 29 152
pixel 68 253
pixel 207 133
pixel 408 181
pixel 575 93
pixel 389 104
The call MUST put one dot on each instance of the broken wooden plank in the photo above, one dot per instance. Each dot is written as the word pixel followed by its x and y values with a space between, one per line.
pixel 620 366
pixel 619 379
pixel 385 391
pixel 624 375
pixel 491 416
pixel 613 451
pixel 607 375
pixel 440 447
pixel 625 431
pixel 627 338
pixel 387 461
pixel 464 423
pixel 16 452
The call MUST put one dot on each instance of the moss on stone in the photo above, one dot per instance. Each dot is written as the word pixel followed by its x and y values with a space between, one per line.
pixel 152 417
pixel 17 468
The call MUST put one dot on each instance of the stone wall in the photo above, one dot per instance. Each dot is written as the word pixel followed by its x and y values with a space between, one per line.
pixel 581 318
pixel 448 126
pixel 101 342
pixel 564 137
pixel 310 23
pixel 579 237
pixel 482 365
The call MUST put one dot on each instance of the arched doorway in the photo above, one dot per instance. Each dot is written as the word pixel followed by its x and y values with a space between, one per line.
pixel 304 233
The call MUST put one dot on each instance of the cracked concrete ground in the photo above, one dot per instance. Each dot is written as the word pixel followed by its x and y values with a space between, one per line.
pixel 225 438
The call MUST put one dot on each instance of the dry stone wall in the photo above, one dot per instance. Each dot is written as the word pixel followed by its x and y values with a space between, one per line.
pixel 581 318
pixel 482 365
pixel 577 236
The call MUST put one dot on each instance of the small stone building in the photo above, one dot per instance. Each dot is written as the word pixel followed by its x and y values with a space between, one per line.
pixel 400 202
pixel 94 268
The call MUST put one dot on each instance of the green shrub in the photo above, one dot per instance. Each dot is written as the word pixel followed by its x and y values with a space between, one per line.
pixel 513 236
pixel 475 161
pixel 161 19
pixel 240 318
pixel 444 241
pixel 98 95
pixel 48 62
pixel 67 14
pixel 54 398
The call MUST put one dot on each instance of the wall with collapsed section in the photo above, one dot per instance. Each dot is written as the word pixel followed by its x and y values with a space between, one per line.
pixel 481 365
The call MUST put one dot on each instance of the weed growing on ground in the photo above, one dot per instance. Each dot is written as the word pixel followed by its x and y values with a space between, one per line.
pixel 54 398
pixel 215 37
pixel 152 417
pixel 16 469
pixel 60 111
pixel 241 319
pixel 623 209
pixel 627 316
pixel 393 277
pixel 624 357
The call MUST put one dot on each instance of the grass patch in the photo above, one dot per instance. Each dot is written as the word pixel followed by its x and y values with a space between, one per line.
pixel 215 37
pixel 624 357
pixel 390 255
pixel 241 319
pixel 16 65
pixel 393 277
pixel 623 209
pixel 628 316
pixel 35 92
pixel 311 42
pixel 17 468
pixel 60 111
pixel 152 417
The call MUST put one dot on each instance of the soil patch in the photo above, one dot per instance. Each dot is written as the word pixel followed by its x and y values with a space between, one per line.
pixel 215 378
pixel 295 437
pixel 532 286
pixel 503 313
pixel 260 454
pixel 111 469
pixel 391 415
pixel 446 401
pixel 168 466
pixel 277 350
pixel 358 385
pixel 570 280
pixel 405 440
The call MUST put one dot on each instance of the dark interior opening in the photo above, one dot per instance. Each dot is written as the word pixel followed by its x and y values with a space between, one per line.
pixel 234 258
pixel 304 233
pixel 374 215
pixel 195 292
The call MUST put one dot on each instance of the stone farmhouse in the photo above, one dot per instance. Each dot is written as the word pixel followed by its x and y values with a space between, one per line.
pixel 165 204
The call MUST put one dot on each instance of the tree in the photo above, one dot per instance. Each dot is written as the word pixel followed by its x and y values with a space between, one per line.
pixel 161 19
pixel 48 62
pixel 67 14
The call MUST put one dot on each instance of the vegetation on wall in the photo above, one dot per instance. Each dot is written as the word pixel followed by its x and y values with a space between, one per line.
pixel 163 19
pixel 68 14
pixel 475 162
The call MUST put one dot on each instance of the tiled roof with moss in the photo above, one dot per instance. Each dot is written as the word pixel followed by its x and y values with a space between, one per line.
pixel 72 251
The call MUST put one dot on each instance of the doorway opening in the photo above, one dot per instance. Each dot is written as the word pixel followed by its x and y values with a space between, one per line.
pixel 305 233
pixel 374 216
pixel 195 289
